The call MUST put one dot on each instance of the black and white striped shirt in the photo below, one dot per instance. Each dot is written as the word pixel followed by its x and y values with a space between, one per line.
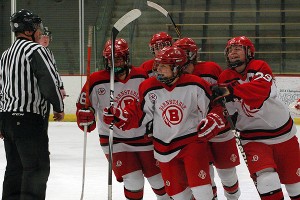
pixel 60 82
pixel 28 78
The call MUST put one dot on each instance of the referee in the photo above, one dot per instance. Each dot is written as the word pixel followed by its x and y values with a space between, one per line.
pixel 27 82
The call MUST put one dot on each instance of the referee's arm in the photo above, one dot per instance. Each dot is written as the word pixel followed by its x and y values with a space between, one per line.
pixel 47 82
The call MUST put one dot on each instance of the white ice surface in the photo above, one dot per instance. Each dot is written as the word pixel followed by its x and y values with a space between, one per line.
pixel 65 181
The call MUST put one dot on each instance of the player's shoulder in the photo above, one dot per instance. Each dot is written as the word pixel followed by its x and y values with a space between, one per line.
pixel 147 66
pixel 191 79
pixel 257 65
pixel 150 83
pixel 138 71
pixel 209 64
pixel 254 61
pixel 100 76
pixel 208 67
pixel 227 74
pixel 147 63
pixel 151 80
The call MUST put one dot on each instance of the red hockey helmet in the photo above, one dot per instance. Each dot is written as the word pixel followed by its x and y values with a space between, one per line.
pixel 246 43
pixel 121 51
pixel 189 46
pixel 121 48
pixel 173 56
pixel 159 41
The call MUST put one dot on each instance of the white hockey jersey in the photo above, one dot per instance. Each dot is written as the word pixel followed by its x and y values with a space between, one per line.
pixel 125 92
pixel 175 112
pixel 262 116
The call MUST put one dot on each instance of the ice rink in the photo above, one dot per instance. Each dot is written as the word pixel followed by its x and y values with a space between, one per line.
pixel 65 181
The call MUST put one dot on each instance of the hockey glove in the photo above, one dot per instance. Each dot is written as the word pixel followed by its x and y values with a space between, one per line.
pixel 117 116
pixel 210 126
pixel 224 90
pixel 86 117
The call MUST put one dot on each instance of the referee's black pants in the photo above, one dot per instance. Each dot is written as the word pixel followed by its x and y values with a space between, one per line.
pixel 27 155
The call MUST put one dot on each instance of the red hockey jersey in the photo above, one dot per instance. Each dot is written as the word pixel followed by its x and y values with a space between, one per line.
pixel 209 71
pixel 147 66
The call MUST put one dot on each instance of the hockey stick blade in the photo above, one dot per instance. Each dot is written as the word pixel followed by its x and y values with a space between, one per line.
pixel 118 26
pixel 165 13
pixel 157 7
pixel 125 20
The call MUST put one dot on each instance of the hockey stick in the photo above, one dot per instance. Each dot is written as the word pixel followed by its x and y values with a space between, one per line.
pixel 88 71
pixel 165 13
pixel 118 26
pixel 236 135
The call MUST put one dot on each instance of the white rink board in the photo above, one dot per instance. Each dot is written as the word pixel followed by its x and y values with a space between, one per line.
pixel 72 85
pixel 288 89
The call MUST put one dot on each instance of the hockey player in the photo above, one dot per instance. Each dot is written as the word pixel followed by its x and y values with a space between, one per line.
pixel 266 128
pixel 45 40
pixel 157 42
pixel 133 151
pixel 225 155
pixel 176 103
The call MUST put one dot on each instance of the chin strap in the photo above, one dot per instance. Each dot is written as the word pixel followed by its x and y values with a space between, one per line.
pixel 165 80
pixel 168 81
pixel 236 64
pixel 121 70
pixel 32 36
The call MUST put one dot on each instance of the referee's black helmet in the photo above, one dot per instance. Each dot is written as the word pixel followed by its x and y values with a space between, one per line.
pixel 24 20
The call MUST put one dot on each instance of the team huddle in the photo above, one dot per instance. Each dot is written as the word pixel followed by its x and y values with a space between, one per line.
pixel 170 127
pixel 175 119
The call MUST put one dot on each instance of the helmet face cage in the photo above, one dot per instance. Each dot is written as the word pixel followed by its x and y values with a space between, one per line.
pixel 25 20
pixel 190 48
pixel 47 33
pixel 173 56
pixel 243 42
pixel 159 41
pixel 121 51
pixel 159 46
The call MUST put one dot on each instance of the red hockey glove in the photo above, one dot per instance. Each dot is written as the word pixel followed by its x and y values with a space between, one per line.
pixel 108 117
pixel 224 90
pixel 117 116
pixel 210 126
pixel 86 117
